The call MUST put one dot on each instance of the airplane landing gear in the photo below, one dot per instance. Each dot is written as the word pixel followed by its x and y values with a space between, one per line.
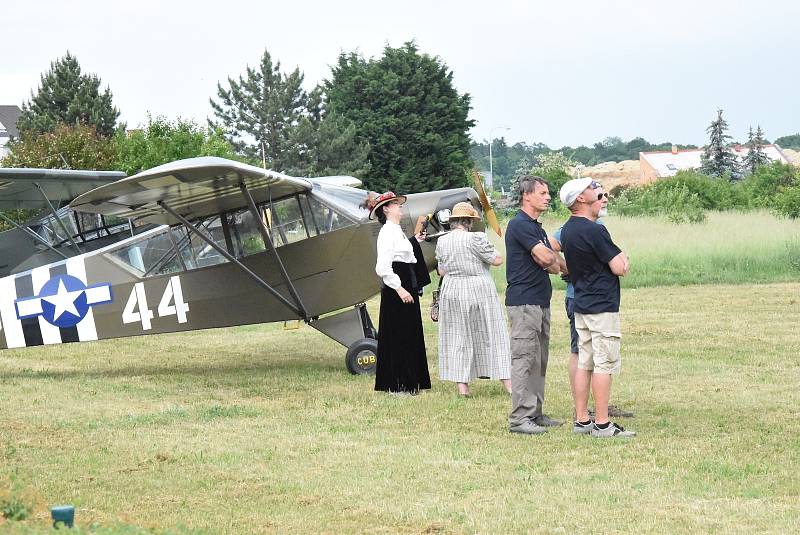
pixel 353 329
pixel 362 357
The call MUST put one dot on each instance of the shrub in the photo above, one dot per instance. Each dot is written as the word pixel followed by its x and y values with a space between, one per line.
pixel 14 509
pixel 675 201
pixel 787 203
pixel 766 185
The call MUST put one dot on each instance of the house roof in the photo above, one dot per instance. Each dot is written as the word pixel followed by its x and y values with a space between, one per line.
pixel 668 163
pixel 8 119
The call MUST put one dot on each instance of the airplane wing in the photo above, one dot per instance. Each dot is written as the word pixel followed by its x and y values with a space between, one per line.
pixel 348 181
pixel 18 186
pixel 195 188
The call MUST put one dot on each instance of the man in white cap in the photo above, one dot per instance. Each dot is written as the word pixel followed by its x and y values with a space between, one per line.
pixel 595 264
pixel 569 306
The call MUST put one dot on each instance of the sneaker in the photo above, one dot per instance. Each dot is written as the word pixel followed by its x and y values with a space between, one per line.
pixel 528 427
pixel 581 429
pixel 613 430
pixel 545 421
pixel 616 412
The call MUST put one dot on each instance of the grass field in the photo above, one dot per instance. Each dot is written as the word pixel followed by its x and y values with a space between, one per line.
pixel 729 248
pixel 256 429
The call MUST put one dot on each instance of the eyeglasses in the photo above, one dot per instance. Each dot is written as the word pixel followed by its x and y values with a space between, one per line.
pixel 594 185
pixel 601 195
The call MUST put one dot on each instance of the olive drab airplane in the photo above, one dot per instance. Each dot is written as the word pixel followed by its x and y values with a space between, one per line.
pixel 196 244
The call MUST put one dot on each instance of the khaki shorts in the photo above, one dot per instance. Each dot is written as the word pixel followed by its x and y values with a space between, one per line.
pixel 599 342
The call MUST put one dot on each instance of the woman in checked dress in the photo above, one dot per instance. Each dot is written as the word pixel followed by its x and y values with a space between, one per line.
pixel 473 340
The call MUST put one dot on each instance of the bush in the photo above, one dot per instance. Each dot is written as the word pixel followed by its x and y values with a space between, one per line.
pixel 787 203
pixel 675 201
pixel 766 185
pixel 14 509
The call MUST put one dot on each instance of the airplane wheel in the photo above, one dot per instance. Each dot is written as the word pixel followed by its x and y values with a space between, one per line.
pixel 362 357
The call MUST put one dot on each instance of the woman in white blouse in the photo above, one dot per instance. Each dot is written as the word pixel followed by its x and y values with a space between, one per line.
pixel 402 366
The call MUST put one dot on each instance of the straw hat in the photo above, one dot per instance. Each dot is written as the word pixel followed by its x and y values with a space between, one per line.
pixel 376 202
pixel 464 209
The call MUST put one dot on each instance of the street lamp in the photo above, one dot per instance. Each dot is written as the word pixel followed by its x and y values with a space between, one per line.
pixel 491 170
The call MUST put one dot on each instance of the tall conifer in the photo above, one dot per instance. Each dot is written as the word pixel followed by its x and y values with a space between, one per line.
pixel 68 96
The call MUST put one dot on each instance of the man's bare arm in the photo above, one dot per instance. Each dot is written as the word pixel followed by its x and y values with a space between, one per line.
pixel 619 265
pixel 546 258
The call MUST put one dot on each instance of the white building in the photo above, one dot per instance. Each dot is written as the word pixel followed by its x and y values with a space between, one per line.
pixel 659 164
pixel 8 127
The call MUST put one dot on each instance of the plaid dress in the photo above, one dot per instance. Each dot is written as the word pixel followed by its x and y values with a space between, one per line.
pixel 473 340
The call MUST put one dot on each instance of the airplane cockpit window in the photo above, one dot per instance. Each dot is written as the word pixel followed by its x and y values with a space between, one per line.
pixel 162 252
pixel 289 220
pixel 245 235
pixel 81 227
pixel 323 217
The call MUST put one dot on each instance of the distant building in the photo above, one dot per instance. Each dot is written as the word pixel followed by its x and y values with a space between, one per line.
pixel 660 164
pixel 8 126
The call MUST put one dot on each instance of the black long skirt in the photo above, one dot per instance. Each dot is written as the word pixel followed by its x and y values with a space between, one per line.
pixel 402 363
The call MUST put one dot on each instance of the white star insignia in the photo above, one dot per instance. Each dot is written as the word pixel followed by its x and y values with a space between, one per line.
pixel 64 301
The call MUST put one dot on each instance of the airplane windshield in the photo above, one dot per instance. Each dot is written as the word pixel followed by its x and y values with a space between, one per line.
pixel 289 220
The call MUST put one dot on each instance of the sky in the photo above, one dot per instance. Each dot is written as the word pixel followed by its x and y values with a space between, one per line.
pixel 559 72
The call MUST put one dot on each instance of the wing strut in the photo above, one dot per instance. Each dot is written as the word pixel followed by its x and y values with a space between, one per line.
pixel 58 219
pixel 31 233
pixel 221 250
pixel 262 227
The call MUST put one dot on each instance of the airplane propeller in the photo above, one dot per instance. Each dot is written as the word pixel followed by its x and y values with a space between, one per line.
pixel 491 217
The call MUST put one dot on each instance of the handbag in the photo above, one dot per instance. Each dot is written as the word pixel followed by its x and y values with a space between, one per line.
pixel 435 301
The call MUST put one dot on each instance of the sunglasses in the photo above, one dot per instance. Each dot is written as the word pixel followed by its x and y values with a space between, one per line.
pixel 601 195
pixel 594 185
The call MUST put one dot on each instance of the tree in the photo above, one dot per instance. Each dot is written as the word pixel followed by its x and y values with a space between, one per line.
pixel 66 147
pixel 718 160
pixel 70 97
pixel 326 143
pixel 755 155
pixel 259 112
pixel 163 141
pixel 405 107
pixel 789 142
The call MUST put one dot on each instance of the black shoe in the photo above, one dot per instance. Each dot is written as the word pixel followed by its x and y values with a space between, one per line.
pixel 545 421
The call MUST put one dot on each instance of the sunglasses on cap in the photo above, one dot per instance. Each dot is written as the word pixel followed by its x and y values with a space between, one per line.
pixel 594 185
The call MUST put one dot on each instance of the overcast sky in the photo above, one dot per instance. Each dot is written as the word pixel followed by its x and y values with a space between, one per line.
pixel 558 72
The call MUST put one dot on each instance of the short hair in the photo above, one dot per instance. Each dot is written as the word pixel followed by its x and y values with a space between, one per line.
pixel 527 183
pixel 465 222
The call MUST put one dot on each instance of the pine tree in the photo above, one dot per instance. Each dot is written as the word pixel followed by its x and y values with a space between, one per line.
pixel 259 112
pixel 404 105
pixel 755 155
pixel 325 144
pixel 718 160
pixel 67 96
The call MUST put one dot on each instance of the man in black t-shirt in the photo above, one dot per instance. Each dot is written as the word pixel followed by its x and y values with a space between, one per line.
pixel 595 264
pixel 530 260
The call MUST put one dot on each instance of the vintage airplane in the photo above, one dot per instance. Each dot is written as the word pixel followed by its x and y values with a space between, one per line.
pixel 231 244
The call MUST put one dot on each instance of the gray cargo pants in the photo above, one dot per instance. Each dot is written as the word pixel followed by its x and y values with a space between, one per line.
pixel 530 345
